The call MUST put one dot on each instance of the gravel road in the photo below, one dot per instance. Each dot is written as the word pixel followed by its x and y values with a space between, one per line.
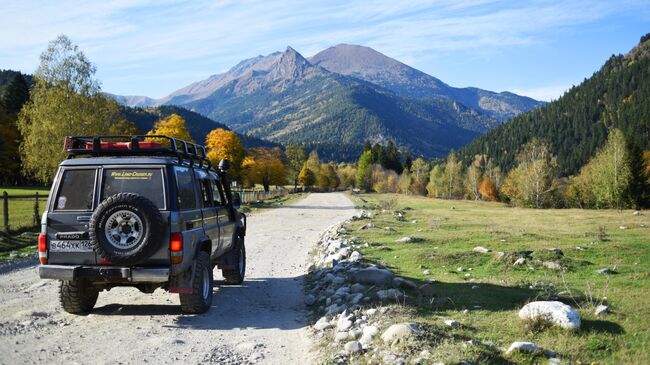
pixel 261 321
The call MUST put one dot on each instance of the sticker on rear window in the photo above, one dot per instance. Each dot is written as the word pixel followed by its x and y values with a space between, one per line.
pixel 131 175
pixel 61 202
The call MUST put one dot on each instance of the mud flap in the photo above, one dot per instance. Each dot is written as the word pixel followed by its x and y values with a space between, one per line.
pixel 228 261
pixel 182 283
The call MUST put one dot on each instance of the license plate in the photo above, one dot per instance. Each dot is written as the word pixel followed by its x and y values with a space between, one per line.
pixel 70 246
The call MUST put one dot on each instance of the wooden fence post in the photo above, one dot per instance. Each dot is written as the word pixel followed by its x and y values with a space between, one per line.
pixel 5 210
pixel 36 219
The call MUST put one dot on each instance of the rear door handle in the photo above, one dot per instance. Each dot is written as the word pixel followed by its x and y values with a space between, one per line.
pixel 83 218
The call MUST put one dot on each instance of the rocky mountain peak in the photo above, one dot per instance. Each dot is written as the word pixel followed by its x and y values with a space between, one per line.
pixel 289 65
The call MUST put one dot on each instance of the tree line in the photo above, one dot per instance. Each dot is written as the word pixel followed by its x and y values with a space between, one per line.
pixel 617 176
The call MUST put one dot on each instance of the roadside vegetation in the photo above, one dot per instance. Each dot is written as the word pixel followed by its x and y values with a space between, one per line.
pixel 469 250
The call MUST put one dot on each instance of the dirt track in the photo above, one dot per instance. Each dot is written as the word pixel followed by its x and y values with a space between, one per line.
pixel 262 321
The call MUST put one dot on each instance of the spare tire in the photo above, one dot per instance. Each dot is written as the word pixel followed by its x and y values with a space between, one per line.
pixel 126 228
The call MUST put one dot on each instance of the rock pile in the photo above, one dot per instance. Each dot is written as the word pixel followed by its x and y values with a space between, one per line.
pixel 350 297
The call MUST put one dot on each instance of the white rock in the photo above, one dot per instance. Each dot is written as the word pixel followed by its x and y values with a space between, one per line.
pixel 522 346
pixel 481 249
pixel 404 240
pixel 552 265
pixel 353 347
pixel 555 312
pixel 322 324
pixel 601 310
pixel 344 322
pixel 355 256
pixel 520 261
pixel 399 332
pixel 371 312
pixel 341 336
pixel 426 272
pixel 373 275
pixel 452 323
pixel 355 333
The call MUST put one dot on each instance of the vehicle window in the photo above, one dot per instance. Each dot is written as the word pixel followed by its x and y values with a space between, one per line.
pixel 145 182
pixel 186 190
pixel 204 186
pixel 216 193
pixel 76 190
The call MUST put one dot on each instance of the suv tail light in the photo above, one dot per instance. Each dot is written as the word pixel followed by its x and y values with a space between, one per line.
pixel 176 247
pixel 42 248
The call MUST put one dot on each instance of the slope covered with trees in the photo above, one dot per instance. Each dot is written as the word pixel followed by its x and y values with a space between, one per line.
pixel 576 125
pixel 198 125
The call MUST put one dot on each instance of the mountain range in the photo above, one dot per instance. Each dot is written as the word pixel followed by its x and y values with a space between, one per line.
pixel 341 97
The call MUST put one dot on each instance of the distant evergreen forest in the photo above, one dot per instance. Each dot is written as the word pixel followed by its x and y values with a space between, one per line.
pixel 576 125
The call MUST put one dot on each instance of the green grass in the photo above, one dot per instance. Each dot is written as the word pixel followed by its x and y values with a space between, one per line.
pixel 272 203
pixel 21 211
pixel 451 229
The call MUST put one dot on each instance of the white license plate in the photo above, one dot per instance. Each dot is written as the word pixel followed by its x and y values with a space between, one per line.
pixel 70 246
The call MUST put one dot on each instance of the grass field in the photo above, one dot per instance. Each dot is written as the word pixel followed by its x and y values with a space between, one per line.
pixel 21 211
pixel 450 230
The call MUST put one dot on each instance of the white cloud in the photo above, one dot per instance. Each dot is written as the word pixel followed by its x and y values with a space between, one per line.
pixel 142 38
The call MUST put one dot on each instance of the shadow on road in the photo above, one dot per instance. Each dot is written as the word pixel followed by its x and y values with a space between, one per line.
pixel 310 207
pixel 259 303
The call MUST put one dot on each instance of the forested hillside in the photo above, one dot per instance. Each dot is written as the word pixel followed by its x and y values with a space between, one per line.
pixel 198 125
pixel 576 125
pixel 7 76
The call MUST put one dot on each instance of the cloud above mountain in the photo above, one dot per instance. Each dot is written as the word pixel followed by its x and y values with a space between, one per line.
pixel 139 45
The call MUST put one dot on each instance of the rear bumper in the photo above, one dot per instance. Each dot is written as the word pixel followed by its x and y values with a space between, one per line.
pixel 105 273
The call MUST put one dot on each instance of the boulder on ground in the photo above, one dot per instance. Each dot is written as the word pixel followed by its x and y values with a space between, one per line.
pixel 400 331
pixel 601 310
pixel 409 239
pixel 552 265
pixel 353 347
pixel 554 312
pixel 481 249
pixel 522 346
pixel 373 276
pixel 322 324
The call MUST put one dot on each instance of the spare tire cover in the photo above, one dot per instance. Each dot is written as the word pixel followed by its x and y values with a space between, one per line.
pixel 126 229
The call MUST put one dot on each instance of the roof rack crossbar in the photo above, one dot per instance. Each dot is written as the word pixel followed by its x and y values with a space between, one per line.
pixel 131 145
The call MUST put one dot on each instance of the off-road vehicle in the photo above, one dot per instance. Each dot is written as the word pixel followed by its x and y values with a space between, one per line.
pixel 143 211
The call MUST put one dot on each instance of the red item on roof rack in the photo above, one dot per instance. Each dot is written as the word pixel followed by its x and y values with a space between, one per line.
pixel 122 145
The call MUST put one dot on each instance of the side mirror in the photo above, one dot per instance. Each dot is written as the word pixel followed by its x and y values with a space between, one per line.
pixel 236 200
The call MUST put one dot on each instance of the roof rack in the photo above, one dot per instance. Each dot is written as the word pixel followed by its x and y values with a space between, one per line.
pixel 137 145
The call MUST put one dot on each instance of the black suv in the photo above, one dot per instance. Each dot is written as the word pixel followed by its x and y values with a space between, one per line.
pixel 142 211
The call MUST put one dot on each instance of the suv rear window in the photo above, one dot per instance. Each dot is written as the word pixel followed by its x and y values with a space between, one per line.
pixel 76 190
pixel 145 182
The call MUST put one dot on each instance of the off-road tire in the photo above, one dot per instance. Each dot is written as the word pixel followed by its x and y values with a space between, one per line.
pixel 77 296
pixel 199 301
pixel 236 276
pixel 153 229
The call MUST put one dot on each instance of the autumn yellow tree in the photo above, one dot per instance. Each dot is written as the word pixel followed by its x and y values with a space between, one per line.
pixel 171 126
pixel 487 190
pixel 264 166
pixel 306 178
pixel 223 144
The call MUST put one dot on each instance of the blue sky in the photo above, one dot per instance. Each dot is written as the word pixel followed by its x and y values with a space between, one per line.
pixel 142 47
